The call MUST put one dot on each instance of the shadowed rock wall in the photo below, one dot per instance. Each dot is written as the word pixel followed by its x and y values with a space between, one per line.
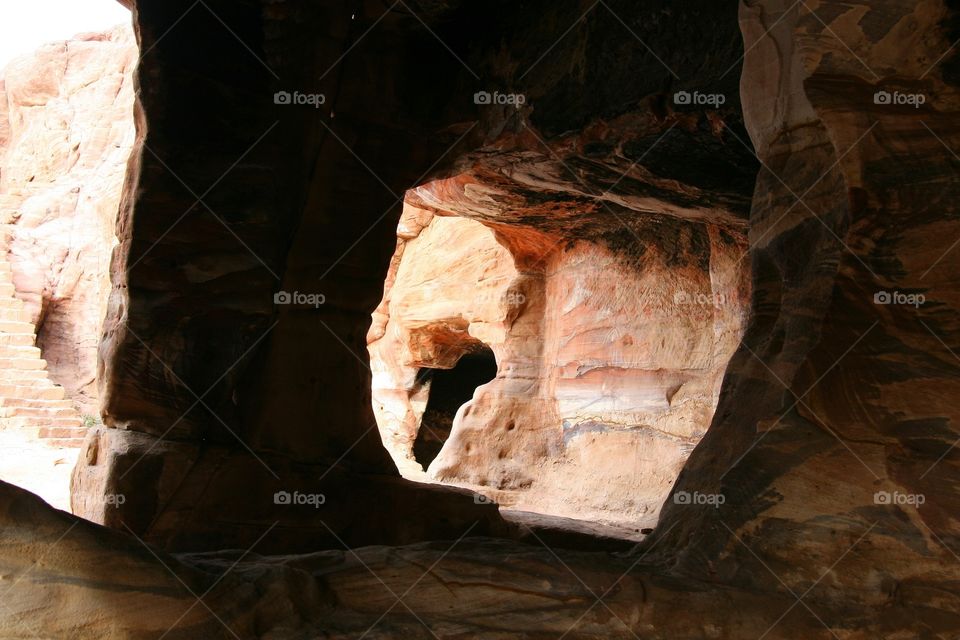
pixel 216 398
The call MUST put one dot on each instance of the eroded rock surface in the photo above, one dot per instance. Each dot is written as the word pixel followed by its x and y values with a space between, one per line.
pixel 66 131
pixel 834 440
pixel 295 199
pixel 445 296
pixel 610 357
pixel 833 399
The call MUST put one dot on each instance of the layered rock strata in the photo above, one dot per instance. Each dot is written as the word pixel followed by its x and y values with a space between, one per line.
pixel 610 362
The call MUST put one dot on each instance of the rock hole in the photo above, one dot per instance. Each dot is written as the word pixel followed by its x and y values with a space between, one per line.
pixel 450 389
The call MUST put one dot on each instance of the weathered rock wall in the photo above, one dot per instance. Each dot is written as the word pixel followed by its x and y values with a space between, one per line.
pixel 66 132
pixel 610 362
pixel 834 437
pixel 217 398
pixel 229 398
pixel 801 548
pixel 446 294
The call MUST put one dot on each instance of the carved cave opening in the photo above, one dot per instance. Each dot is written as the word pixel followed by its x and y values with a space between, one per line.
pixel 610 361
pixel 448 391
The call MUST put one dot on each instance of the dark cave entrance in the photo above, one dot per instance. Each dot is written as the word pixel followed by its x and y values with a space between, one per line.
pixel 450 389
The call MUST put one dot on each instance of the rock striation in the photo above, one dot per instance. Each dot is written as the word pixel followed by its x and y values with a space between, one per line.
pixel 831 441
pixel 216 385
pixel 609 362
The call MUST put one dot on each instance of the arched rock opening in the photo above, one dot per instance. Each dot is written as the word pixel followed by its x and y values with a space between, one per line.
pixel 612 342
pixel 448 391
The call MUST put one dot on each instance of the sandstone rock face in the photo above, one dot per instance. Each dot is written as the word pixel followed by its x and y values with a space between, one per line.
pixel 609 365
pixel 29 400
pixel 57 561
pixel 66 131
pixel 446 295
pixel 305 200
pixel 834 440
pixel 809 542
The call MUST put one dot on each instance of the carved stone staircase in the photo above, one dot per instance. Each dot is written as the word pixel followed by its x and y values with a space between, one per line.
pixel 28 398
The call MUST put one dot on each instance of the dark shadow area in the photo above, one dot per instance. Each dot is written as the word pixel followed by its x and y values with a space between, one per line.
pixel 450 389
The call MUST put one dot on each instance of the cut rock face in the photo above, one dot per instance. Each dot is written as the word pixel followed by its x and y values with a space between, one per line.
pixel 609 362
pixel 29 400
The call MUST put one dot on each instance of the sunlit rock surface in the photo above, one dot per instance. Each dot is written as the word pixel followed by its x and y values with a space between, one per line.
pixel 66 131
pixel 609 362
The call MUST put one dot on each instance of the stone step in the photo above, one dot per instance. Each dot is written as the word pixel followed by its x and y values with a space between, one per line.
pixel 32 392
pixel 47 413
pixel 19 351
pixel 18 339
pixel 6 282
pixel 15 326
pixel 18 403
pixel 36 422
pixel 16 314
pixel 22 363
pixel 64 443
pixel 40 412
pixel 63 432
pixel 23 377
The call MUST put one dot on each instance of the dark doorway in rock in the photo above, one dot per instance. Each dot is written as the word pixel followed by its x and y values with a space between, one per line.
pixel 450 389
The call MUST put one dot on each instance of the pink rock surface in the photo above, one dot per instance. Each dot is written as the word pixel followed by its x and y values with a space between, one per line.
pixel 609 365
pixel 66 131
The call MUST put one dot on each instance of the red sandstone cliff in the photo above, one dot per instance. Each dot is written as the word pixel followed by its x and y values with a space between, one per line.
pixel 66 130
